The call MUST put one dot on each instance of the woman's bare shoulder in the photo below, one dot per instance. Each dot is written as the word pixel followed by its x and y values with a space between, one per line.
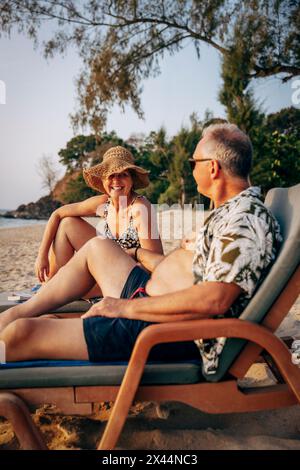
pixel 102 200
pixel 140 203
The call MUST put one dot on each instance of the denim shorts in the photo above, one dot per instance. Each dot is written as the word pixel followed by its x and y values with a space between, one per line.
pixel 113 339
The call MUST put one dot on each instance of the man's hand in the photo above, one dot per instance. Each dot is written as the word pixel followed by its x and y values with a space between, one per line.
pixel 108 307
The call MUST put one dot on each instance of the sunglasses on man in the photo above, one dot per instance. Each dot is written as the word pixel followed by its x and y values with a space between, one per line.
pixel 193 161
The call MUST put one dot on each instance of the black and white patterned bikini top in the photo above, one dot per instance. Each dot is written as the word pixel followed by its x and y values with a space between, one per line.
pixel 128 239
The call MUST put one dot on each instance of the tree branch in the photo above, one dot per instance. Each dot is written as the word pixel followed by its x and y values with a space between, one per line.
pixel 170 24
pixel 274 70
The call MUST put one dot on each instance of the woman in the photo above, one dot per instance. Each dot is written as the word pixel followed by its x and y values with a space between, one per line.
pixel 127 215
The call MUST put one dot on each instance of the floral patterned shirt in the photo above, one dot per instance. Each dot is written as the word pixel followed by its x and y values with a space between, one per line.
pixel 238 243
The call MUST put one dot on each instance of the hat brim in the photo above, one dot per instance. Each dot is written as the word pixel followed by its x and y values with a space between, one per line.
pixel 140 179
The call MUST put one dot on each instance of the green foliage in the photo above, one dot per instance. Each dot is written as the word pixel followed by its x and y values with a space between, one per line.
pixel 76 151
pixel 182 188
pixel 88 149
pixel 276 142
pixel 236 93
pixel 154 155
pixel 286 121
pixel 77 190
pixel 276 161
pixel 166 159
pixel 82 151
pixel 275 138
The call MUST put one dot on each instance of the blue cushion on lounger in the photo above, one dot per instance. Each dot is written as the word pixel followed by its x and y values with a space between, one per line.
pixel 43 373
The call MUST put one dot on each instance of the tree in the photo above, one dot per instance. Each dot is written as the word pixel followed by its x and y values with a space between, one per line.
pixel 155 157
pixel 286 121
pixel 76 151
pixel 76 190
pixel 48 171
pixel 182 188
pixel 87 150
pixel 276 160
pixel 236 94
pixel 80 152
pixel 122 41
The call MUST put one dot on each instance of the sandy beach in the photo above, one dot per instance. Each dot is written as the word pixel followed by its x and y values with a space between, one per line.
pixel 169 426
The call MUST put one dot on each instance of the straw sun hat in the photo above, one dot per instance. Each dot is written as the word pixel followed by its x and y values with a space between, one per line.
pixel 115 160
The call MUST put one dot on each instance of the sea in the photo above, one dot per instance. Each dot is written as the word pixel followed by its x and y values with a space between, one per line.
pixel 13 223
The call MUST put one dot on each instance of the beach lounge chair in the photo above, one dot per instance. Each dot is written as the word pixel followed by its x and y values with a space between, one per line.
pixel 74 387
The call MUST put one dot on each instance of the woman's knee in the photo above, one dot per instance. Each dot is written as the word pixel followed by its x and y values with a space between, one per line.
pixel 98 250
pixel 67 223
pixel 99 244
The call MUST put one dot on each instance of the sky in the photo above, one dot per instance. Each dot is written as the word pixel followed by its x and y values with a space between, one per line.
pixel 40 95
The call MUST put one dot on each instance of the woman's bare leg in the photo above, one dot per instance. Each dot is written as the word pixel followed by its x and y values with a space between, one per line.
pixel 59 290
pixel 98 260
pixel 71 235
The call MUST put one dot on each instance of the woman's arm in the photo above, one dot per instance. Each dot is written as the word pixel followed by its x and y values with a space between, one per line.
pixel 85 208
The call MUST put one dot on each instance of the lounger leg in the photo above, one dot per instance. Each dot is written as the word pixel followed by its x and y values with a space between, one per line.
pixel 116 421
pixel 16 412
pixel 123 401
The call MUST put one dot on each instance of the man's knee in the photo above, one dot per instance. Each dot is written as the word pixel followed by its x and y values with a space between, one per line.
pixel 18 332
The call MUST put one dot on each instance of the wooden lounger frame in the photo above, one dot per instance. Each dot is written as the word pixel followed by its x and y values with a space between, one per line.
pixel 222 397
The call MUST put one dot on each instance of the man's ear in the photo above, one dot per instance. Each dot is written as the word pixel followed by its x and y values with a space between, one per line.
pixel 214 169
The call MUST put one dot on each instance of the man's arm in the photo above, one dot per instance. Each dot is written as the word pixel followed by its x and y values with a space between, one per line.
pixel 199 301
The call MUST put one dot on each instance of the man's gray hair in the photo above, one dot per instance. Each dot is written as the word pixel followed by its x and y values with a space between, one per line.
pixel 231 147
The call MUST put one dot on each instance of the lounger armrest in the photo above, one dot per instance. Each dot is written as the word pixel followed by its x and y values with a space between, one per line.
pixel 188 331
pixel 212 328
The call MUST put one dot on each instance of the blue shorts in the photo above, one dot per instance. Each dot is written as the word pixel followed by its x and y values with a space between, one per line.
pixel 112 339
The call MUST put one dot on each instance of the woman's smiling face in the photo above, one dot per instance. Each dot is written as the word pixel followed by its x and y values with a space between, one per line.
pixel 118 184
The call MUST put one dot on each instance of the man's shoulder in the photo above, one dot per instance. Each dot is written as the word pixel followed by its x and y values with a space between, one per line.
pixel 253 210
pixel 248 202
pixel 245 212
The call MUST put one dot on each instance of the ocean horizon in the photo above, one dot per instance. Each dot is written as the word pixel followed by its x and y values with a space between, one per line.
pixel 14 223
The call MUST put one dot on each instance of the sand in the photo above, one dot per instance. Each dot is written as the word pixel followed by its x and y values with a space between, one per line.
pixel 168 426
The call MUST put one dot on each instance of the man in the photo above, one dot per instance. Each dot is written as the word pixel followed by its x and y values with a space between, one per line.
pixel 234 250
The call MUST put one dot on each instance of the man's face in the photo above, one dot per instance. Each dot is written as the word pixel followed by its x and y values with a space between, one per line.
pixel 201 173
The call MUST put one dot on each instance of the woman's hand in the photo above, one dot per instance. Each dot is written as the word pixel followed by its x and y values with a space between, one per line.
pixel 41 267
pixel 108 307
pixel 130 252
pixel 189 241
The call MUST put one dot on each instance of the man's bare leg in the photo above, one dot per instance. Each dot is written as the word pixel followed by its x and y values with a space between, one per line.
pixel 100 260
pixel 44 338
